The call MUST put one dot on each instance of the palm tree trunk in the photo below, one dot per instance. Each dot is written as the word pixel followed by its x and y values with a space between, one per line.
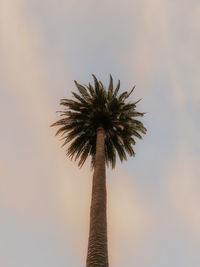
pixel 97 245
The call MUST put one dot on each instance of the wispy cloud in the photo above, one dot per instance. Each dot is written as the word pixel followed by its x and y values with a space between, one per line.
pixel 183 184
pixel 128 216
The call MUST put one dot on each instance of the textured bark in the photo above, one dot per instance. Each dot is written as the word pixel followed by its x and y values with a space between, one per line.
pixel 97 244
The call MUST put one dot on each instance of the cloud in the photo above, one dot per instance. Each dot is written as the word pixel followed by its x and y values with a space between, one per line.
pixel 183 184
pixel 149 44
pixel 128 216
pixel 31 188
pixel 184 51
pixel 23 60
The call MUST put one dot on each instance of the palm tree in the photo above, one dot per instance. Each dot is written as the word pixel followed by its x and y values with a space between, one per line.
pixel 100 124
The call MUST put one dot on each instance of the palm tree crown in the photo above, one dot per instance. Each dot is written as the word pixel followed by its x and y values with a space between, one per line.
pixel 95 106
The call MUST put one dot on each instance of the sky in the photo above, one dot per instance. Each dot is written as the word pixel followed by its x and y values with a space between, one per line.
pixel 153 198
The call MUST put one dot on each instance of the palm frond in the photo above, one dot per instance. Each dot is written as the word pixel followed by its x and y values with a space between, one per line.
pixel 130 91
pixel 110 88
pixel 96 84
pixel 82 90
pixel 117 88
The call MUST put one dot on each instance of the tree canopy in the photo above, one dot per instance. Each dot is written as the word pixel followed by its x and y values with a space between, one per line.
pixel 94 106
